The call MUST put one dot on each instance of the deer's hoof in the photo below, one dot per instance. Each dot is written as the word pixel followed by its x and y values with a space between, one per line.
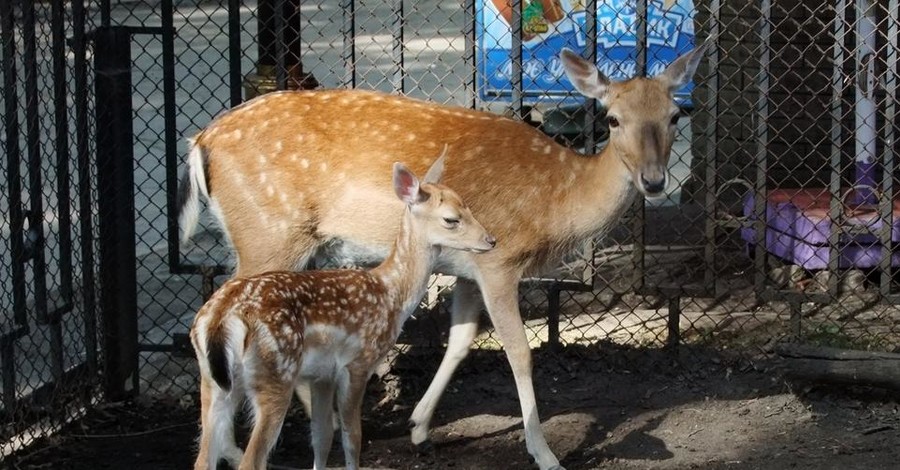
pixel 411 424
pixel 425 447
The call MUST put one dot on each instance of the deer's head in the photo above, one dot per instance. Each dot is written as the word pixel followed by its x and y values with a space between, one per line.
pixel 641 113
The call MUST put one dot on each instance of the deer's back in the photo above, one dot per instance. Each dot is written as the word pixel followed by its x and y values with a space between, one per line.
pixel 319 163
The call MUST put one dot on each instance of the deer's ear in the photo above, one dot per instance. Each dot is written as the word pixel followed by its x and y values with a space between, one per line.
pixel 406 186
pixel 680 72
pixel 585 76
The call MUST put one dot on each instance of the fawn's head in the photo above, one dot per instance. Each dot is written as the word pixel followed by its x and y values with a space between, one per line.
pixel 641 113
pixel 440 211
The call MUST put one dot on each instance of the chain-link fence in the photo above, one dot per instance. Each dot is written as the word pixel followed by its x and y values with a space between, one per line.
pixel 49 354
pixel 778 222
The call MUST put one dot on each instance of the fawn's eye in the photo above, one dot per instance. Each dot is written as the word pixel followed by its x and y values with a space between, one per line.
pixel 450 222
pixel 674 119
pixel 612 121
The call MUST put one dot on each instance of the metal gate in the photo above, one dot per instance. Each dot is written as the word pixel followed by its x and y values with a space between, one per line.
pixel 49 350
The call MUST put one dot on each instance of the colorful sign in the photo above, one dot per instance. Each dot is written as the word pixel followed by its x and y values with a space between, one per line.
pixel 550 25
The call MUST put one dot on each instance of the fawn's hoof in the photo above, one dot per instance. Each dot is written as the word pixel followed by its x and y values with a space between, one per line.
pixel 411 424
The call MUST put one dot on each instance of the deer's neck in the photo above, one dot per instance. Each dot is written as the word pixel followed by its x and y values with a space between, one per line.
pixel 405 272
pixel 593 195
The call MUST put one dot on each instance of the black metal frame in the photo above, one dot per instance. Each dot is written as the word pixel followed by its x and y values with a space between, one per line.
pixel 31 307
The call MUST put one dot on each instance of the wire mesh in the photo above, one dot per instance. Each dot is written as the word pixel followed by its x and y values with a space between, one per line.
pixel 778 223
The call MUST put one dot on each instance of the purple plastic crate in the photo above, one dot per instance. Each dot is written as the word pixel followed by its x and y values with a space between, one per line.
pixel 798 226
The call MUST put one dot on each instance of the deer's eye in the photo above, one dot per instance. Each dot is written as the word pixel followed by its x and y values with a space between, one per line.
pixel 674 119
pixel 613 122
pixel 451 222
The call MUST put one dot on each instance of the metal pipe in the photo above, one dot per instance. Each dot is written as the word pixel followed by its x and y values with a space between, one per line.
pixel 760 188
pixel 234 51
pixel 712 142
pixel 348 29
pixel 515 57
pixel 35 236
pixel 886 207
pixel 85 219
pixel 835 205
pixel 397 31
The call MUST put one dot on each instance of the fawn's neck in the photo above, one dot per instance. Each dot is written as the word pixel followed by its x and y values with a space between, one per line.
pixel 405 272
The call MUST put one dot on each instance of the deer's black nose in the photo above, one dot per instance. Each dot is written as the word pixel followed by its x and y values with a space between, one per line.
pixel 654 186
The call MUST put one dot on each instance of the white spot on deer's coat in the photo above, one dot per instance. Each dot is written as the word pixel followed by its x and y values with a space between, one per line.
pixel 547 149
pixel 270 190
pixel 304 163
pixel 323 166
pixel 279 146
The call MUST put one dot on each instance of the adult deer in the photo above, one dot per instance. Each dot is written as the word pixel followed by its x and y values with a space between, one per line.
pixel 293 174
pixel 262 335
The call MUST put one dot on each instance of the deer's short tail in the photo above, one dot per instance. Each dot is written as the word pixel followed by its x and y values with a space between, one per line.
pixel 193 183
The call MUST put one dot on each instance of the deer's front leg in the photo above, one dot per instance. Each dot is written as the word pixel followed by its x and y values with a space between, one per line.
pixel 501 299
pixel 464 318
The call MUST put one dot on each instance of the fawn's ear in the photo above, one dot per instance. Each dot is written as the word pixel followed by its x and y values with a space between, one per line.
pixel 437 169
pixel 406 185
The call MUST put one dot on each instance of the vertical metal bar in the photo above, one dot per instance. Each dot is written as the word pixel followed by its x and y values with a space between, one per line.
pixel 673 323
pixel 169 129
pixel 834 186
pixel 590 105
pixel 469 56
pixel 641 15
pixel 115 182
pixel 234 51
pixel 58 59
pixel 35 213
pixel 105 13
pixel 280 46
pixel 13 161
pixel 515 57
pixel 62 150
pixel 639 221
pixel 8 365
pixel 712 146
pixel 348 29
pixel 397 31
pixel 16 217
pixel 85 207
pixel 760 192
pixel 886 207
pixel 553 304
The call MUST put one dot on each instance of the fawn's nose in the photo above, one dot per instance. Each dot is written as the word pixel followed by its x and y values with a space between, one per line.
pixel 490 240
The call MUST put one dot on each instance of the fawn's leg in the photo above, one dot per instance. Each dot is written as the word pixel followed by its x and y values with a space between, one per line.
pixel 270 405
pixel 217 408
pixel 321 425
pixel 351 388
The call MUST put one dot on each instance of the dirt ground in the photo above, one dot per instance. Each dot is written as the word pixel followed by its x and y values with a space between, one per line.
pixel 603 407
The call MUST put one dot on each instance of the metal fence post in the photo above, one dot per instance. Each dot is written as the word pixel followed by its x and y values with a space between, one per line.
pixel 115 182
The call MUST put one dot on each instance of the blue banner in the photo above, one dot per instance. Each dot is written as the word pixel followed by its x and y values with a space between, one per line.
pixel 550 25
